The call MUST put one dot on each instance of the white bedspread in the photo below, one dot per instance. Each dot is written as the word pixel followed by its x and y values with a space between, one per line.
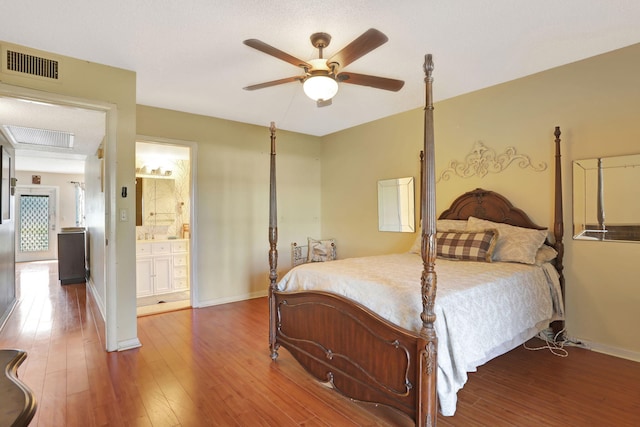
pixel 482 309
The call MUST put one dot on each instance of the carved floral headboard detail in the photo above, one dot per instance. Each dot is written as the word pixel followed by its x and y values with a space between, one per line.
pixel 483 160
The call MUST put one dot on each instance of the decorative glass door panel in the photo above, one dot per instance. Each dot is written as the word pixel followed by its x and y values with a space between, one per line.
pixel 35 230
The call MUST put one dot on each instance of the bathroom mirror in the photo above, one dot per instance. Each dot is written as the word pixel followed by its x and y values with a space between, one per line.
pixel 396 205
pixel 155 201
pixel 606 198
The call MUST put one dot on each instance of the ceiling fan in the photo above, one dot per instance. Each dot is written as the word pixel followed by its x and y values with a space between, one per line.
pixel 321 76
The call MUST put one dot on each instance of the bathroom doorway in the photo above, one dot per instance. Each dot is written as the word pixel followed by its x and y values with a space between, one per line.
pixel 164 200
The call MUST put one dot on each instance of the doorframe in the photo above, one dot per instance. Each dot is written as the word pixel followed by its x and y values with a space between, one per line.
pixel 193 233
pixel 109 312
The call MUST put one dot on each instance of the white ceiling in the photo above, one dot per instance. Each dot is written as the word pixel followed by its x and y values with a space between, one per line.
pixel 189 56
pixel 87 127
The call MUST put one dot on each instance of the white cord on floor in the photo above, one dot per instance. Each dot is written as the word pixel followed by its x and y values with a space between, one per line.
pixel 553 343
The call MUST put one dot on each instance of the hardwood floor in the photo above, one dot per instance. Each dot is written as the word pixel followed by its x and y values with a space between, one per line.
pixel 211 366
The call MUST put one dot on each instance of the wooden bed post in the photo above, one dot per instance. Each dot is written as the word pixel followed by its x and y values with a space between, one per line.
pixel 558 227
pixel 273 243
pixel 427 403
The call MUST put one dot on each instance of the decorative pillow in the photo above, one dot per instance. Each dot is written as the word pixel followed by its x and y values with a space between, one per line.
pixel 545 254
pixel 451 224
pixel 467 245
pixel 515 244
pixel 321 250
pixel 441 225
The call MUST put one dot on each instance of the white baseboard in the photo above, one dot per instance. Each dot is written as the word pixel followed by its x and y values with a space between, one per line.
pixel 92 288
pixel 129 344
pixel 607 349
pixel 219 301
pixel 122 345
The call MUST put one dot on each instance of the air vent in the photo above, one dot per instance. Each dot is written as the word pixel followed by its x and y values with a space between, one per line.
pixel 33 65
pixel 38 137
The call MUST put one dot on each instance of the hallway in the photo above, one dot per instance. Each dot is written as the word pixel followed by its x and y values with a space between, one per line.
pixel 53 324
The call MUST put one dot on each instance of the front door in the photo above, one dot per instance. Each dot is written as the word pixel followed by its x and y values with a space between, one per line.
pixel 36 223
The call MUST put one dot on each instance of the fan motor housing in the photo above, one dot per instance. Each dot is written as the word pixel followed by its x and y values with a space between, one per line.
pixel 320 40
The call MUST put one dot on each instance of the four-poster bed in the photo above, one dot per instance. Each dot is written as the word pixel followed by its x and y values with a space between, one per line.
pixel 366 356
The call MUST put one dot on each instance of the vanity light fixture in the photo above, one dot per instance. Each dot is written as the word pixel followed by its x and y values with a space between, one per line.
pixel 159 171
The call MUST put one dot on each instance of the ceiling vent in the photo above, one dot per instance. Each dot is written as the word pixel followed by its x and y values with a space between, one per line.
pixel 30 64
pixel 38 137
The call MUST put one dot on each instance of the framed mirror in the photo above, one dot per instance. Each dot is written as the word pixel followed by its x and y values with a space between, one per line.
pixel 155 201
pixel 606 198
pixel 396 205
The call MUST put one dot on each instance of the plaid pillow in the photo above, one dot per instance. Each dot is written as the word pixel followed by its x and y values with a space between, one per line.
pixel 467 245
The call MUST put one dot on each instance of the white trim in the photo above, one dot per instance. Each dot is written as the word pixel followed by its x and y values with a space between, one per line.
pixel 220 301
pixel 99 303
pixel 111 291
pixel 608 349
pixel 193 236
pixel 129 344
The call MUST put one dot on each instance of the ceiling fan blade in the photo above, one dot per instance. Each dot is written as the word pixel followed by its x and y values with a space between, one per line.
pixel 364 44
pixel 270 50
pixel 274 83
pixel 372 81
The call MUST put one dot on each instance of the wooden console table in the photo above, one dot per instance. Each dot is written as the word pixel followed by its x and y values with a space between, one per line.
pixel 17 402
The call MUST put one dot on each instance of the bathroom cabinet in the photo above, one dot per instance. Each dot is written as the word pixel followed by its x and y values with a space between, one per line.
pixel 162 266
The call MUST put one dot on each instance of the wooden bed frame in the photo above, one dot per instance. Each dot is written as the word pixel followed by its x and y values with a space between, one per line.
pixel 357 352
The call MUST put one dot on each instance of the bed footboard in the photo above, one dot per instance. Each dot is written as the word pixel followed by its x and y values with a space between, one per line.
pixel 346 345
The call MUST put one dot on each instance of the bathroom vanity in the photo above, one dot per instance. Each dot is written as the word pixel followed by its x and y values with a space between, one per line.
pixel 162 266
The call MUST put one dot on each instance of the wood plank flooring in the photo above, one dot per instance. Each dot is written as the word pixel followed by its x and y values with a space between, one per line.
pixel 211 367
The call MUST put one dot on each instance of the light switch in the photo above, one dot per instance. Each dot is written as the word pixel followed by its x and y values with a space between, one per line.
pixel 123 215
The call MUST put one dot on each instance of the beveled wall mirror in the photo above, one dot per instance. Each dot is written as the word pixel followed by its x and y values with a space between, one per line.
pixel 606 198
pixel 155 201
pixel 396 205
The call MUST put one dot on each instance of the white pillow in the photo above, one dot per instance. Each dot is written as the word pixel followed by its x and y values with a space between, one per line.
pixel 515 244
pixel 545 254
pixel 441 225
pixel 321 250
pixel 451 224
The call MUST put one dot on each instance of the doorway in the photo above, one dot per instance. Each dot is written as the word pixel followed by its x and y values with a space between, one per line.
pixel 36 223
pixel 37 111
pixel 164 199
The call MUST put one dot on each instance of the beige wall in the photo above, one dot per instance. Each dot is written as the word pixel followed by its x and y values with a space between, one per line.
pixel 232 195
pixel 596 104
pixel 100 85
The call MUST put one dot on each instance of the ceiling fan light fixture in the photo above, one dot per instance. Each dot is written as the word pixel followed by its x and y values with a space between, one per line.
pixel 322 75
pixel 320 88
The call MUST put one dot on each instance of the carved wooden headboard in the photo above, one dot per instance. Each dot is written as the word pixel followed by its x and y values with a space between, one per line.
pixel 488 205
